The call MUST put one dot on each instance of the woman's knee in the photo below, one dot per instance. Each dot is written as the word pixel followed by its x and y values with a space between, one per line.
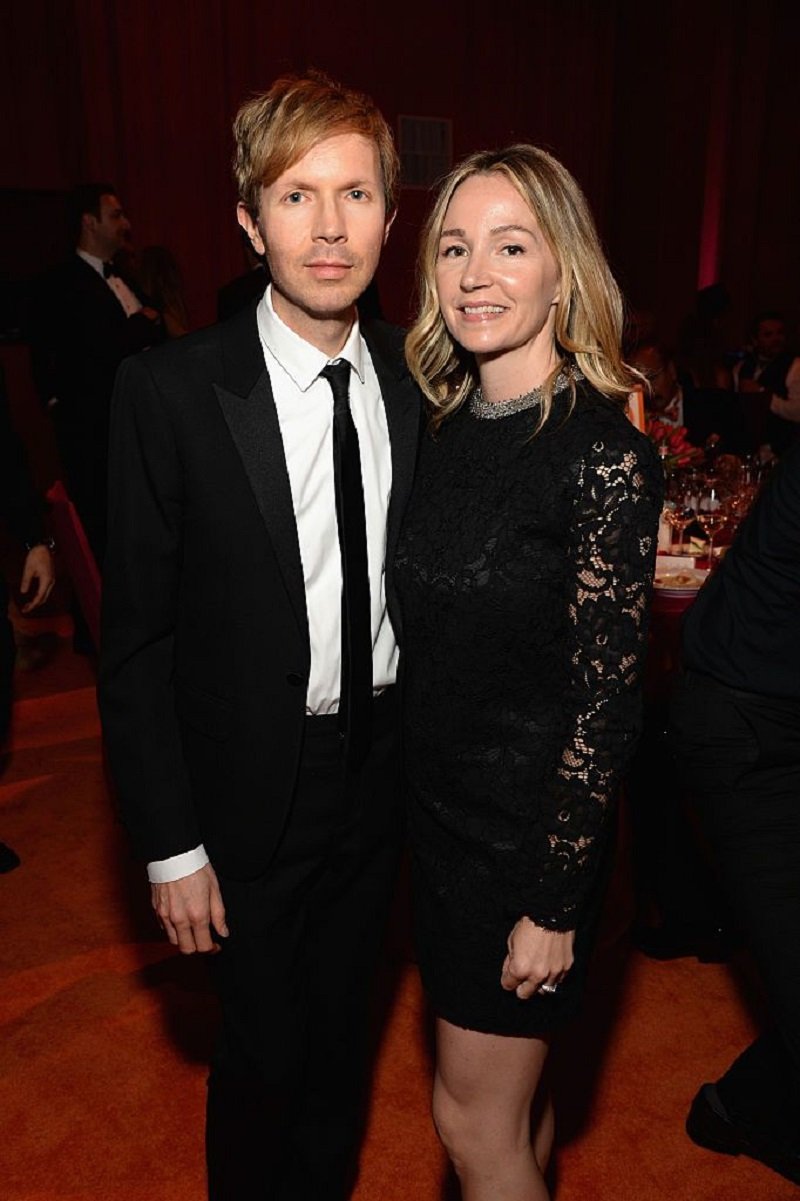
pixel 471 1136
pixel 450 1119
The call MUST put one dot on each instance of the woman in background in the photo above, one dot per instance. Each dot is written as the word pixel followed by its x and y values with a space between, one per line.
pixel 160 278
pixel 525 568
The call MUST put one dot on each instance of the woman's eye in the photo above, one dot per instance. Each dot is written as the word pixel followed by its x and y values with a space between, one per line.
pixel 453 252
pixel 513 250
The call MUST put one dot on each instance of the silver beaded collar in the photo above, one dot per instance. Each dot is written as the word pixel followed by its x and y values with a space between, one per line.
pixel 491 410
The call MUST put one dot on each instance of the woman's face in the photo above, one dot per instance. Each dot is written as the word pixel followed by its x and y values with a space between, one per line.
pixel 496 277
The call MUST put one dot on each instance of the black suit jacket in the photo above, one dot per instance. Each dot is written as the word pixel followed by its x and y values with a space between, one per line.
pixel 205 659
pixel 79 335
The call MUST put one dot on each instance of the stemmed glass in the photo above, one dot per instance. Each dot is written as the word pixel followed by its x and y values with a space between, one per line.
pixel 712 512
pixel 680 506
pixel 739 504
pixel 744 485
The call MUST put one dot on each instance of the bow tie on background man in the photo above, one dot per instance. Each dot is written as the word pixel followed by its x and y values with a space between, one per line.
pixel 126 295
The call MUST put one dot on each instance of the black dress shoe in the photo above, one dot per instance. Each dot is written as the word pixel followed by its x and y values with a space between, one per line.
pixel 709 1125
pixel 708 944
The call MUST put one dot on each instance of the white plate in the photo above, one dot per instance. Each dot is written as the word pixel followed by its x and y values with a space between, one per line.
pixel 679 582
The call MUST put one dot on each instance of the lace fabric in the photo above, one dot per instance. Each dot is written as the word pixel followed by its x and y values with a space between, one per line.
pixel 524 568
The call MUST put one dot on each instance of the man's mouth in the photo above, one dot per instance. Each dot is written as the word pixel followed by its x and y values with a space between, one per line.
pixel 329 268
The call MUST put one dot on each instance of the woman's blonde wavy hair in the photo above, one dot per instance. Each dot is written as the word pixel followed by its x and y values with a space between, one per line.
pixel 589 316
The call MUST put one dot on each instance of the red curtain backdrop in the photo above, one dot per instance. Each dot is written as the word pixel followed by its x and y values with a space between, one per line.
pixel 143 92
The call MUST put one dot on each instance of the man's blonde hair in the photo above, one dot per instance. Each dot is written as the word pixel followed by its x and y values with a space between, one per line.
pixel 277 128
pixel 589 315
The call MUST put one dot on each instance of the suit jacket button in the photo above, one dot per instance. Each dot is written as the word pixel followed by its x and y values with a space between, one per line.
pixel 295 679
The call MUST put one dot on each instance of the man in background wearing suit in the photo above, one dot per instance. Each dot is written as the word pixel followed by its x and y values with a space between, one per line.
pixel 85 320
pixel 259 471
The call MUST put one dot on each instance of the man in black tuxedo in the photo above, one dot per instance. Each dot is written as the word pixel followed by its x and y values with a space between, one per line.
pixel 85 320
pixel 259 472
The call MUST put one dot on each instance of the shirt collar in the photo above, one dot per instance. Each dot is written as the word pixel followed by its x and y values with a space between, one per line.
pixel 301 361
pixel 94 262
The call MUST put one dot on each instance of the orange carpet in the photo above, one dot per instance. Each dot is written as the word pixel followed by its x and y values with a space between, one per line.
pixel 105 1030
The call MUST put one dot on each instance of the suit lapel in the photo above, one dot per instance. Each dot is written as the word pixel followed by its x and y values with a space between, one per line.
pixel 403 406
pixel 249 409
pixel 95 286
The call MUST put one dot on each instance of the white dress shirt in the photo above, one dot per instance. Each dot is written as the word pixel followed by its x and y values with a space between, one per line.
pixel 130 303
pixel 304 404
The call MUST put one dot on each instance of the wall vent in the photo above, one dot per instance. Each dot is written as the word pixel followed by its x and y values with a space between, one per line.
pixel 426 150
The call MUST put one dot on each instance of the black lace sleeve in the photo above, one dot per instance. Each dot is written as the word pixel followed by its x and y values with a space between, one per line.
pixel 612 547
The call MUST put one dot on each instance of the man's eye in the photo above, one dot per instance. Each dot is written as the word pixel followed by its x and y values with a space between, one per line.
pixel 294 197
pixel 358 194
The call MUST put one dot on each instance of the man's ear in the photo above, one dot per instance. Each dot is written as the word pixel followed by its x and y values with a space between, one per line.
pixel 389 224
pixel 250 227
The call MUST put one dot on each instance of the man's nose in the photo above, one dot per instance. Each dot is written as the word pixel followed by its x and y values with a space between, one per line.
pixel 330 224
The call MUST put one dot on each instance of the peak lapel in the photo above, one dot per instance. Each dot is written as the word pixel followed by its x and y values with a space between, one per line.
pixel 249 409
pixel 403 406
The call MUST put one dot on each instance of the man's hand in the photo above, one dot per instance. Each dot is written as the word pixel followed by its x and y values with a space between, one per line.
pixel 535 957
pixel 38 569
pixel 788 408
pixel 187 909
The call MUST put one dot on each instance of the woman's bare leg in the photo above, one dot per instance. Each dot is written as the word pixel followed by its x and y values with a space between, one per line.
pixel 544 1133
pixel 482 1096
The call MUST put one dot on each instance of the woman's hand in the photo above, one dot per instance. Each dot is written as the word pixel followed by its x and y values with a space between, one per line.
pixel 536 957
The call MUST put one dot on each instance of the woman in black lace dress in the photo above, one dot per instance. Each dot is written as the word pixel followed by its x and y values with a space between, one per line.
pixel 525 568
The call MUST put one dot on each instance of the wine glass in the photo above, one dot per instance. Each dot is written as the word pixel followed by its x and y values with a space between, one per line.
pixel 712 512
pixel 744 488
pixel 739 504
pixel 680 507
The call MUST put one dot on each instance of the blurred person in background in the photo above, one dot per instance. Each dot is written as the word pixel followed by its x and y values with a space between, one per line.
pixel 85 318
pixel 161 281
pixel 735 730
pixel 22 510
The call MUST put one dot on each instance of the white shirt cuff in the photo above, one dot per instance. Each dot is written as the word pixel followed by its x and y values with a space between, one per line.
pixel 164 871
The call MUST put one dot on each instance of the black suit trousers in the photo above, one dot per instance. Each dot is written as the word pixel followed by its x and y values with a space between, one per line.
pixel 288 1082
pixel 741 756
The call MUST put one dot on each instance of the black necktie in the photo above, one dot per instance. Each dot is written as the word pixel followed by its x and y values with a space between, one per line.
pixel 355 702
pixel 108 269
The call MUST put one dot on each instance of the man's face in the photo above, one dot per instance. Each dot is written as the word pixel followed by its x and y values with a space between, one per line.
pixel 111 230
pixel 770 338
pixel 322 225
pixel 661 376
